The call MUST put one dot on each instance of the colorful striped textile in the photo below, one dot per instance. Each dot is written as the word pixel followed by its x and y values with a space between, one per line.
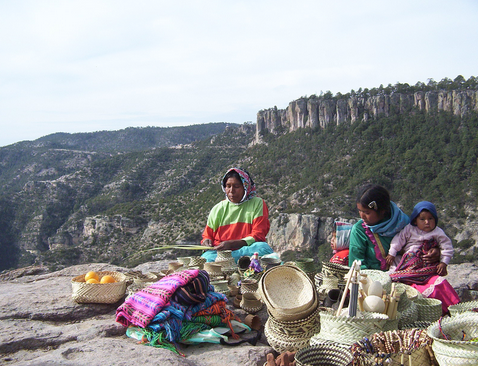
pixel 412 268
pixel 141 308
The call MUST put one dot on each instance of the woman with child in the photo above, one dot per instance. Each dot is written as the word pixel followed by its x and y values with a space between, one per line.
pixel 376 239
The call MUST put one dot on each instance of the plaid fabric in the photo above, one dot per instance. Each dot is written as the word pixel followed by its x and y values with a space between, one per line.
pixel 412 269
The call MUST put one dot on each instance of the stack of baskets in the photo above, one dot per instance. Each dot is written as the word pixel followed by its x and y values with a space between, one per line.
pixel 292 304
pixel 331 277
pixel 101 293
pixel 197 261
pixel 455 339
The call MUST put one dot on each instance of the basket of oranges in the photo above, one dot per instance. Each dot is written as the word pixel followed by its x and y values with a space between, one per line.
pixel 99 287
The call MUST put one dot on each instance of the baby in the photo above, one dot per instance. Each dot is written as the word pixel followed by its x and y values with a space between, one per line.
pixel 417 238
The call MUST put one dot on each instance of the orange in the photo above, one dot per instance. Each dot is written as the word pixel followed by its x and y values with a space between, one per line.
pixel 91 274
pixel 107 279
pixel 92 280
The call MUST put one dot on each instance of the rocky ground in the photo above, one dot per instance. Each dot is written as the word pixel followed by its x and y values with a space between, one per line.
pixel 42 325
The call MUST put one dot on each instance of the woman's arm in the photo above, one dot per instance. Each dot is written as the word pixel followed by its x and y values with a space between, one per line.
pixel 231 245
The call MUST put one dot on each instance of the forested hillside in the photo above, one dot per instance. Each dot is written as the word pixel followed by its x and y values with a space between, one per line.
pixel 63 206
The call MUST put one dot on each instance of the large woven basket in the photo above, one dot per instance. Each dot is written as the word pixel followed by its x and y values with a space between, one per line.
pixel 462 307
pixel 348 330
pixel 327 354
pixel 455 351
pixel 429 310
pixel 288 293
pixel 393 347
pixel 101 293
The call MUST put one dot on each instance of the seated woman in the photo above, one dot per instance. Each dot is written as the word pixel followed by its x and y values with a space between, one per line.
pixel 240 222
pixel 370 240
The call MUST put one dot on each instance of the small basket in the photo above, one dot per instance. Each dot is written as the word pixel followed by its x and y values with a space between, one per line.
pixel 455 351
pixel 462 307
pixel 429 310
pixel 288 293
pixel 249 285
pixel 251 302
pixel 197 261
pixel 348 330
pixel 305 264
pixel 99 293
pixel 224 255
pixel 326 354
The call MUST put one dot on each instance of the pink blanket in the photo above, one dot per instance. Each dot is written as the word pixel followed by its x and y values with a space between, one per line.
pixel 141 308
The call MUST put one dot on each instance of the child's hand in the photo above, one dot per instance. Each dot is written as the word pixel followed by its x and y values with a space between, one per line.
pixel 390 259
pixel 441 269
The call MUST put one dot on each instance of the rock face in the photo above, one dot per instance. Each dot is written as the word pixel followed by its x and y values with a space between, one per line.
pixel 42 325
pixel 321 111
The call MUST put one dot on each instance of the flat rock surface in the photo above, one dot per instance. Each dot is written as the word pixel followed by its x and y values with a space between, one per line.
pixel 41 325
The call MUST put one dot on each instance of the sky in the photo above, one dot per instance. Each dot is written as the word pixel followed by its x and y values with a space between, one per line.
pixel 85 66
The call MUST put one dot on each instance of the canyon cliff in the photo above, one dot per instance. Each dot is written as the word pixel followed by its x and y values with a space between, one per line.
pixel 324 110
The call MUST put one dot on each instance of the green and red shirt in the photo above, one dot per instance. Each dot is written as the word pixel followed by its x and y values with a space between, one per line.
pixel 248 221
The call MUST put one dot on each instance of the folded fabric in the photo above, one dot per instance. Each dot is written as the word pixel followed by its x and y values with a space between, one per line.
pixel 140 308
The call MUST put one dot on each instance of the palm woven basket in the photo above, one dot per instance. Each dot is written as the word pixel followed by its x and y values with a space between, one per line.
pixel 429 310
pixel 100 293
pixel 348 330
pixel 296 328
pixel 281 343
pixel 462 307
pixel 409 347
pixel 288 293
pixel 454 350
pixel 327 354
pixel 408 317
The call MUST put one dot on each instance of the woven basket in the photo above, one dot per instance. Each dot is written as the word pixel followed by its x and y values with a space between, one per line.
pixel 288 293
pixel 462 307
pixel 224 255
pixel 327 354
pixel 348 330
pixel 455 351
pixel 429 310
pixel 305 264
pixel 100 293
pixel 282 343
pixel 389 347
pixel 407 295
pixel 197 261
pixel 269 262
pixel 408 317
pixel 249 285
pixel 296 328
pixel 251 302
pixel 382 277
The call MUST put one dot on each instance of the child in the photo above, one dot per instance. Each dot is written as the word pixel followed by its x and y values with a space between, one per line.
pixel 340 243
pixel 417 238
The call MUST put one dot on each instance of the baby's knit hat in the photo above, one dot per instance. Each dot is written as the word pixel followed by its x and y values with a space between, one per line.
pixel 424 205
